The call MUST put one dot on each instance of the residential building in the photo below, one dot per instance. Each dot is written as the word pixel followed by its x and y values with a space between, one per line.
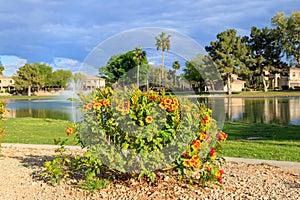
pixel 91 82
pixel 6 84
pixel 287 79
pixel 294 78
pixel 237 85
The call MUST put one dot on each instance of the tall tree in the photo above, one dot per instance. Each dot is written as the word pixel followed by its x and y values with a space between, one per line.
pixel 289 30
pixel 61 77
pixel 229 53
pixel 163 43
pixel 46 73
pixel 193 75
pixel 139 57
pixel 122 64
pixel 27 77
pixel 175 66
pixel 265 53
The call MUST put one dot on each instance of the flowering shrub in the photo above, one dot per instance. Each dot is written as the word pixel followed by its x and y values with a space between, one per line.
pixel 140 132
pixel 3 113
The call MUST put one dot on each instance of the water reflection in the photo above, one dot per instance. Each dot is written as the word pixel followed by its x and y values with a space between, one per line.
pixel 263 110
pixel 248 110
pixel 55 109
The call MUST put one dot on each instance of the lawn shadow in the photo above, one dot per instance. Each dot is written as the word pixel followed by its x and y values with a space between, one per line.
pixel 36 164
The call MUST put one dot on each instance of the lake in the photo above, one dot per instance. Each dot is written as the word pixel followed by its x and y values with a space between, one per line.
pixel 248 110
pixel 54 108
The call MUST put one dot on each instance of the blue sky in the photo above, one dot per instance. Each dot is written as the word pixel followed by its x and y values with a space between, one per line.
pixel 62 33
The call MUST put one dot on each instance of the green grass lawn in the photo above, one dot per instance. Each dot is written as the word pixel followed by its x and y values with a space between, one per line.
pixel 28 97
pixel 34 131
pixel 272 142
pixel 267 94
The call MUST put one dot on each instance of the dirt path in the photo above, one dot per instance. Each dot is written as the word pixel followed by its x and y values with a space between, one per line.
pixel 19 179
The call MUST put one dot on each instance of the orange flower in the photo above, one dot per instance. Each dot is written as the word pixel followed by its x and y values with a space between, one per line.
pixel 195 161
pixel 207 167
pixel 196 144
pixel 148 119
pixel 221 136
pixel 175 101
pixel 97 105
pixel 168 101
pixel 69 131
pixel 106 103
pixel 162 105
pixel 4 111
pixel 186 154
pixel 187 163
pixel 218 175
pixel 174 107
pixel 205 120
pixel 202 136
pixel 213 154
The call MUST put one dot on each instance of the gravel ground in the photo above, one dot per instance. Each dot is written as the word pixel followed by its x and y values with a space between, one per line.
pixel 18 180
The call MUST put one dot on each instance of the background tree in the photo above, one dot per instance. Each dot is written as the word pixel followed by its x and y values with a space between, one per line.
pixel 163 44
pixel 193 76
pixel 139 57
pixel 61 77
pixel 229 53
pixel 289 34
pixel 265 53
pixel 46 74
pixel 122 64
pixel 1 70
pixel 175 66
pixel 27 77
pixel 154 75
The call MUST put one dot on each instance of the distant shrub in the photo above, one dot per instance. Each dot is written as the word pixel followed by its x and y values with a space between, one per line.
pixel 3 113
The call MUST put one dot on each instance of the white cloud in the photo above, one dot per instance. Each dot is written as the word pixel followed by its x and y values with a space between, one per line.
pixel 11 64
pixel 65 64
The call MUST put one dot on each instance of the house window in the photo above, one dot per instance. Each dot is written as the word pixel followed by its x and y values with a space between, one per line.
pixel 0 81
pixel 10 81
pixel 294 74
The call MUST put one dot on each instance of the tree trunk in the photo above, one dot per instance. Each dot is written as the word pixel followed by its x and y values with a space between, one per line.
pixel 138 77
pixel 229 84
pixel 147 85
pixel 264 82
pixel 29 90
pixel 162 67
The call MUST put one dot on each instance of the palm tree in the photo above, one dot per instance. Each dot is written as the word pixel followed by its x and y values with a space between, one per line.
pixel 176 66
pixel 163 44
pixel 139 56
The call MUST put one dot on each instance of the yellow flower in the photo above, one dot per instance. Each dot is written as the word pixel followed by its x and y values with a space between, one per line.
pixel 97 105
pixel 195 161
pixel 69 131
pixel 196 144
pixel 149 119
pixel 187 163
pixel 202 136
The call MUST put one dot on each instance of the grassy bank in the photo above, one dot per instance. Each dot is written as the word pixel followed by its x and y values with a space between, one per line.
pixel 34 131
pixel 267 94
pixel 261 141
pixel 242 94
